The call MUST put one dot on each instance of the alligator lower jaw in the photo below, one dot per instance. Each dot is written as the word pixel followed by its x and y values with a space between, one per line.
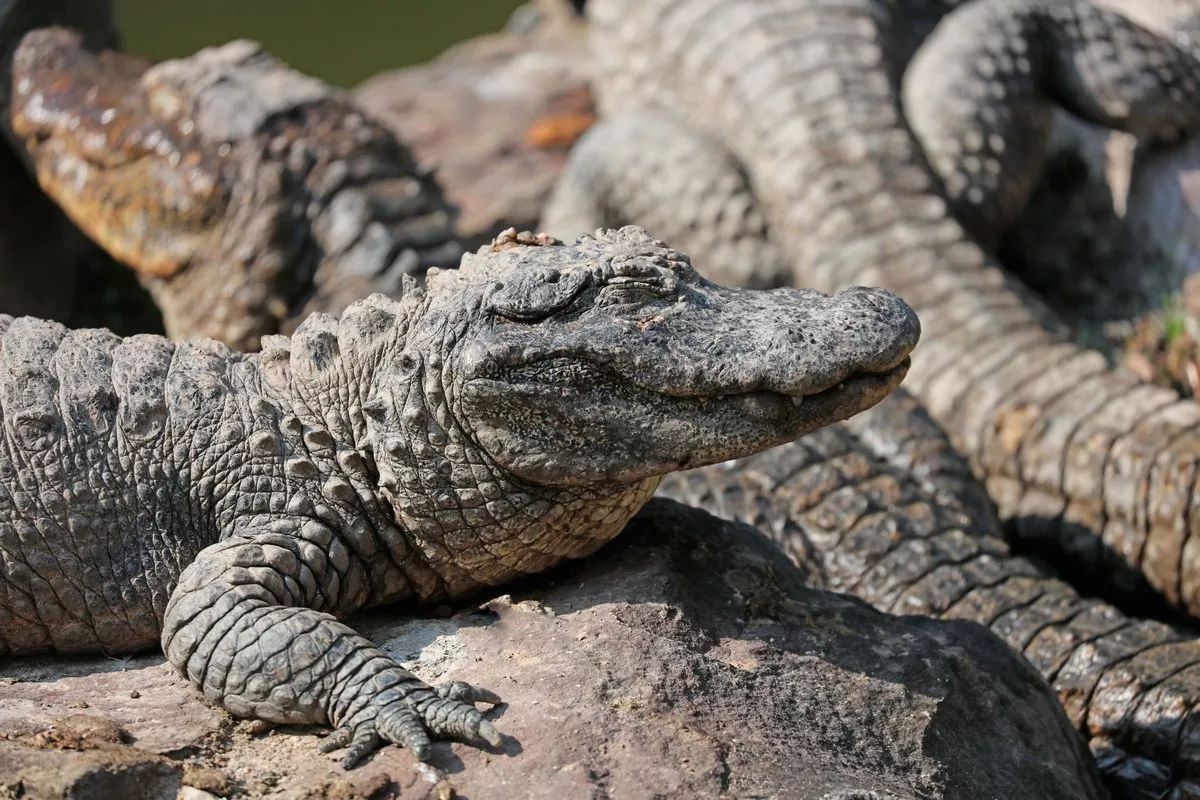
pixel 768 404
pixel 865 383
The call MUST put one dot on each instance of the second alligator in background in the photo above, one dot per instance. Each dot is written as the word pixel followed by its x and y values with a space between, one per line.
pixel 244 194
pixel 808 103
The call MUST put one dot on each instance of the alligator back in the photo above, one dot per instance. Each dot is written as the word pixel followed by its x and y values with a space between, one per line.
pixel 105 443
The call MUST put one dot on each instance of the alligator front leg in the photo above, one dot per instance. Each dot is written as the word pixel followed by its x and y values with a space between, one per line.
pixel 253 623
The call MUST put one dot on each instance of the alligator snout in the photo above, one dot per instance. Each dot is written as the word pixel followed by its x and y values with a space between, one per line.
pixel 794 342
pixel 881 325
pixel 810 342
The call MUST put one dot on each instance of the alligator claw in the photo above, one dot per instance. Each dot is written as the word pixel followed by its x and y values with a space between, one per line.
pixel 466 693
pixel 411 719
pixel 336 740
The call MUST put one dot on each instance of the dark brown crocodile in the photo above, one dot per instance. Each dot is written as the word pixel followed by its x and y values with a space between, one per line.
pixel 806 98
pixel 40 250
pixel 244 194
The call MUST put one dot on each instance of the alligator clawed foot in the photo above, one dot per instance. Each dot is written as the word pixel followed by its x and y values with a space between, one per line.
pixel 446 711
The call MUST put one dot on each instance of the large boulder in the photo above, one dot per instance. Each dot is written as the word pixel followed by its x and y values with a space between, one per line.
pixel 687 660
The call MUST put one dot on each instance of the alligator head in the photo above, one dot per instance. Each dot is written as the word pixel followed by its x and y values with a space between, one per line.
pixel 615 364
pixel 556 382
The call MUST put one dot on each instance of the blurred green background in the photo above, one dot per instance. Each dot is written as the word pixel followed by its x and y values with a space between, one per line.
pixel 341 41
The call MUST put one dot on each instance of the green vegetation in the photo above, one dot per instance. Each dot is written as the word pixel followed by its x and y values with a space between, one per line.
pixel 1174 320
pixel 342 42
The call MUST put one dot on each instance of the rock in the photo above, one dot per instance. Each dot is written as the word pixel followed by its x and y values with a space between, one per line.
pixel 124 772
pixel 687 660
pixel 166 717
pixel 494 118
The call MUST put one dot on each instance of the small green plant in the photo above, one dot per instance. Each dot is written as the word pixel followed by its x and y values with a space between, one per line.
pixel 1174 320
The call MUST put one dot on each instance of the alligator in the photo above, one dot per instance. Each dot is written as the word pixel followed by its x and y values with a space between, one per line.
pixel 509 415
pixel 884 508
pixel 245 195
pixel 38 245
pixel 807 100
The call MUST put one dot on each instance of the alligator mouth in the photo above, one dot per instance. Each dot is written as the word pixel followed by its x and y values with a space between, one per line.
pixel 864 382
pixel 770 404
pixel 569 377
pixel 651 432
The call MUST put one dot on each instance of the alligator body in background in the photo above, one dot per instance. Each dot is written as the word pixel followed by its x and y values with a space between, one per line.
pixel 513 414
pixel 245 195
pixel 883 508
pixel 808 100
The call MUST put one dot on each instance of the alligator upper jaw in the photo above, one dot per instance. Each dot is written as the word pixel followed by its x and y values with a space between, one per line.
pixel 774 415
pixel 764 400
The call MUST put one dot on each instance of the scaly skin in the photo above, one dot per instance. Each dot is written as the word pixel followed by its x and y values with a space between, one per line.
pixel 244 194
pixel 513 414
pixel 981 92
pixel 884 508
pixel 607 180
pixel 806 95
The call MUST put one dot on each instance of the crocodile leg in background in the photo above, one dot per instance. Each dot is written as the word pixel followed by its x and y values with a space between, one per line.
pixel 244 194
pixel 1107 234
pixel 1111 229
pixel 1080 457
pixel 981 94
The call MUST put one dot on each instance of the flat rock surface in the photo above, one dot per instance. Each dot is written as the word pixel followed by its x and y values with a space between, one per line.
pixel 494 119
pixel 686 660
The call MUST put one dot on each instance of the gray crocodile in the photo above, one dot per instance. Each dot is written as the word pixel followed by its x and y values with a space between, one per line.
pixel 244 194
pixel 806 99
pixel 884 508
pixel 512 414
